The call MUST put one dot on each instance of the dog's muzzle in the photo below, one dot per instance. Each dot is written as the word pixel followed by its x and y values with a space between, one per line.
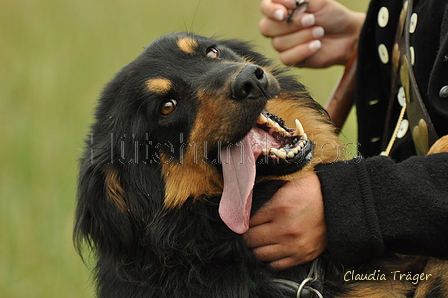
pixel 250 83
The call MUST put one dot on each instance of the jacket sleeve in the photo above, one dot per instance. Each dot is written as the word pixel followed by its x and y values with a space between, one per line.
pixel 375 205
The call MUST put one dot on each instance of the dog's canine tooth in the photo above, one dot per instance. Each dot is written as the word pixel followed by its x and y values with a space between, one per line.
pixel 299 128
pixel 262 119
pixel 305 137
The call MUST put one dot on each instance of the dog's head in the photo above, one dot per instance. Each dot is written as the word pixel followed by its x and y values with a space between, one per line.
pixel 191 118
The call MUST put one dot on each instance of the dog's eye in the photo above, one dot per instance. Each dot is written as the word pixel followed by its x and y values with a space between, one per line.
pixel 168 107
pixel 212 53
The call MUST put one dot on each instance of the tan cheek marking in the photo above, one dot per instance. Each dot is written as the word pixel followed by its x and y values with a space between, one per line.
pixel 194 177
pixel 214 118
pixel 159 86
pixel 188 179
pixel 187 45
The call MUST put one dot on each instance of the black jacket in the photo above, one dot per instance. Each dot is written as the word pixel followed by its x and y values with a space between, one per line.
pixel 374 203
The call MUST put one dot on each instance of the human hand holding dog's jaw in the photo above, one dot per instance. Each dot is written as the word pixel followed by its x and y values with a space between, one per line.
pixel 326 34
pixel 290 229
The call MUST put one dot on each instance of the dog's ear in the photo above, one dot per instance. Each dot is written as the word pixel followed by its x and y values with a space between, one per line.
pixel 101 216
pixel 116 203
pixel 245 50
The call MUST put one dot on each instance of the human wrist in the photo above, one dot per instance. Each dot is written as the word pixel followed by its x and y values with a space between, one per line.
pixel 353 231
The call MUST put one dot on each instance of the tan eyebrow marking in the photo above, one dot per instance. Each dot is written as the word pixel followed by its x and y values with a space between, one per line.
pixel 187 44
pixel 159 86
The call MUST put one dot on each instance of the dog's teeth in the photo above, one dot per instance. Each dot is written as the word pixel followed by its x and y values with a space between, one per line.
pixel 299 128
pixel 271 123
pixel 279 129
pixel 305 137
pixel 280 153
pixel 291 154
pixel 274 151
pixel 266 151
pixel 262 119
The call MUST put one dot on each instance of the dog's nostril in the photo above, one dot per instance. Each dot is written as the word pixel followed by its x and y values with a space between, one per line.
pixel 247 88
pixel 259 73
pixel 251 82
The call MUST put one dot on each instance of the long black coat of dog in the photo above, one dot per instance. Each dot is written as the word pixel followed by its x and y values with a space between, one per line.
pixel 166 185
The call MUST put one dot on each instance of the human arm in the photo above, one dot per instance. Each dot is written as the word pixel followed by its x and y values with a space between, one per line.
pixel 335 27
pixel 369 206
pixel 375 205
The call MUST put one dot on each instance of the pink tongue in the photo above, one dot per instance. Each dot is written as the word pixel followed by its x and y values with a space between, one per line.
pixel 238 166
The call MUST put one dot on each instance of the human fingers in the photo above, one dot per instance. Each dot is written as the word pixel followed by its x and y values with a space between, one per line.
pixel 280 256
pixel 272 28
pixel 285 42
pixel 299 53
pixel 291 261
pixel 261 231
pixel 276 9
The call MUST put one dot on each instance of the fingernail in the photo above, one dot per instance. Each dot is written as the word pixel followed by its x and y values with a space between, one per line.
pixel 279 15
pixel 318 32
pixel 315 45
pixel 308 20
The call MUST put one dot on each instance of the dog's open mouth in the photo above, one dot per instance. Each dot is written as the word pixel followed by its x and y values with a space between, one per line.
pixel 286 150
pixel 270 148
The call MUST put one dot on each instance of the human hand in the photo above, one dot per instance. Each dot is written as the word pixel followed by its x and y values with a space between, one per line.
pixel 290 229
pixel 326 34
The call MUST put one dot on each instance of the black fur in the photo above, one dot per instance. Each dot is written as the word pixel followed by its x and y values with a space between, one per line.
pixel 143 249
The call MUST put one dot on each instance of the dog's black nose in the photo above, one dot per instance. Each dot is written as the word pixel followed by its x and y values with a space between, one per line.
pixel 250 83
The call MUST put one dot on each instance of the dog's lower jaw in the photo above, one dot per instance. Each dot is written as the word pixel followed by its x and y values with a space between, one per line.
pixel 268 166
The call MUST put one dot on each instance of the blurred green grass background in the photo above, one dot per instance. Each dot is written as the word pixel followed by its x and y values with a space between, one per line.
pixel 55 57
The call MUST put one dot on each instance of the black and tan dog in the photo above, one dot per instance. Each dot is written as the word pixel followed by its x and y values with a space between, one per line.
pixel 166 187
